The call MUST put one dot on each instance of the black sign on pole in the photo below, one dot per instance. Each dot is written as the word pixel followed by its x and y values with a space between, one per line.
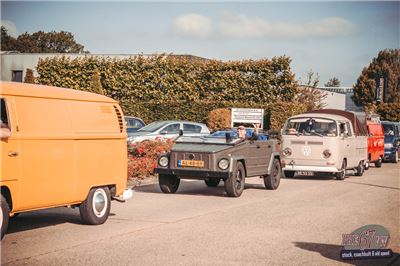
pixel 379 89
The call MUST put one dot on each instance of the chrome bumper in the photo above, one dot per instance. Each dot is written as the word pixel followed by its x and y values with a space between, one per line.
pixel 127 194
pixel 310 168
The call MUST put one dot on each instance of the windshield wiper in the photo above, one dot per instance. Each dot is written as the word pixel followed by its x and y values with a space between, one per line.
pixel 318 134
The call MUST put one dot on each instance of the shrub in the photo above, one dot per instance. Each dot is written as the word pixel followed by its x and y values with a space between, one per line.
pixel 29 77
pixel 219 119
pixel 142 157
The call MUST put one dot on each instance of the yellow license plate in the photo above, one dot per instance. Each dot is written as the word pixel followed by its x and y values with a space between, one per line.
pixel 191 163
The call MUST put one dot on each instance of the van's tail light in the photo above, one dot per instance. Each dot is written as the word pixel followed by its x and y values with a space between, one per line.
pixel 120 120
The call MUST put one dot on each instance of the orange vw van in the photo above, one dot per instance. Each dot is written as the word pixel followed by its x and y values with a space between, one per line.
pixel 60 147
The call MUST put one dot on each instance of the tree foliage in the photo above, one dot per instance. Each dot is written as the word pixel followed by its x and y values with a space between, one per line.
pixel 386 65
pixel 7 42
pixel 29 77
pixel 95 83
pixel 41 42
pixel 333 82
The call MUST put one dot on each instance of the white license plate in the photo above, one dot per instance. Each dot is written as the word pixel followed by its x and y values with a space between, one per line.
pixel 306 173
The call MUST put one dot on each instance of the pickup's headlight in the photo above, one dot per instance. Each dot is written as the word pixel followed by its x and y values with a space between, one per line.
pixel 163 161
pixel 287 152
pixel 388 145
pixel 326 154
pixel 223 164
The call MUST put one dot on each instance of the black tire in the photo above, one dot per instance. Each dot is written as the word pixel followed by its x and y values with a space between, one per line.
pixel 96 208
pixel 360 169
pixel 342 174
pixel 234 185
pixel 212 182
pixel 168 183
pixel 289 174
pixel 396 157
pixel 273 180
pixel 367 164
pixel 4 216
pixel 378 164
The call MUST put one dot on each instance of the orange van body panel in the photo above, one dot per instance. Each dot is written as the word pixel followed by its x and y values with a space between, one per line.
pixel 67 142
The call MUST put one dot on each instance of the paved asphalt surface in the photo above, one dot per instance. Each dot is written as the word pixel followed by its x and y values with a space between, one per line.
pixel 301 223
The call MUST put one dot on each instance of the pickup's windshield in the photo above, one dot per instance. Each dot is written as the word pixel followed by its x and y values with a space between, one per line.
pixel 310 127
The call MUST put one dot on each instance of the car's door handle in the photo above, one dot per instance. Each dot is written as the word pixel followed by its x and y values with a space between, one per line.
pixel 13 153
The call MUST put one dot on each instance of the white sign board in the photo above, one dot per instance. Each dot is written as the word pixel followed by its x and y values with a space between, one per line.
pixel 248 116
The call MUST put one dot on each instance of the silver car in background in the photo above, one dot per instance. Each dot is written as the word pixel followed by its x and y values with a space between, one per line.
pixel 162 130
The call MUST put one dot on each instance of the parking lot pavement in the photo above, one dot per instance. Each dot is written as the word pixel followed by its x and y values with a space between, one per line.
pixel 301 223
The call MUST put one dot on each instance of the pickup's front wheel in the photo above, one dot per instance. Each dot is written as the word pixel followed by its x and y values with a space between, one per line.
pixel 273 180
pixel 212 182
pixel 96 208
pixel 234 185
pixel 168 183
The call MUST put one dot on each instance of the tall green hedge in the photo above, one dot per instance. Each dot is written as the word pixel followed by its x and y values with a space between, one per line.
pixel 164 87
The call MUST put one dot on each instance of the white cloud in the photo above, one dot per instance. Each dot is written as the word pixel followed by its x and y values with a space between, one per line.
pixel 193 25
pixel 11 28
pixel 241 26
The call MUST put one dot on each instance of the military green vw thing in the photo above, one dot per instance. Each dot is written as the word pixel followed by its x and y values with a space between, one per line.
pixel 213 159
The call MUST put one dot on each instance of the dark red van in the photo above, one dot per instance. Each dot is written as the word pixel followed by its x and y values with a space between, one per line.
pixel 376 143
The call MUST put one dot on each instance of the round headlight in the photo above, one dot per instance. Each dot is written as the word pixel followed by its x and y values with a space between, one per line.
pixel 163 161
pixel 326 154
pixel 287 152
pixel 223 164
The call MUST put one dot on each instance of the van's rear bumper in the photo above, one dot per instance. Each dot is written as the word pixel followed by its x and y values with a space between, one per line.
pixel 307 168
pixel 125 195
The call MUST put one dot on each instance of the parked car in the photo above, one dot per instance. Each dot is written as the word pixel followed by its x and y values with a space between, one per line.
pixel 324 141
pixel 60 147
pixel 133 124
pixel 376 147
pixel 213 159
pixel 168 130
pixel 392 141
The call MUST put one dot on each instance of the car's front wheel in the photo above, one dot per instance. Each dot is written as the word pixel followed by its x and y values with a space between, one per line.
pixel 342 173
pixel 96 208
pixel 4 216
pixel 396 157
pixel 273 180
pixel 168 183
pixel 212 182
pixel 234 185
pixel 378 164
pixel 360 169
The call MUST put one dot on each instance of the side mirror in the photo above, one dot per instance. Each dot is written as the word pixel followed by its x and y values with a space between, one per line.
pixel 163 132
pixel 180 132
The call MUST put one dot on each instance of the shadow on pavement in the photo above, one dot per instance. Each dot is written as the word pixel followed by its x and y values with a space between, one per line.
pixel 196 188
pixel 372 185
pixel 333 252
pixel 43 218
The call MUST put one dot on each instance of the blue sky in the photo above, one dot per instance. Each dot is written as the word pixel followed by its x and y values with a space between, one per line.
pixel 330 38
